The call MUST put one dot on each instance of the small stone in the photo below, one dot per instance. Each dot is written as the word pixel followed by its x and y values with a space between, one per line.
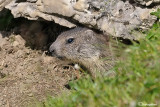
pixel 30 94
pixel 10 51
pixel 19 54
pixel 15 43
pixel 5 65
pixel 76 66
pixel 149 3
pixel 2 75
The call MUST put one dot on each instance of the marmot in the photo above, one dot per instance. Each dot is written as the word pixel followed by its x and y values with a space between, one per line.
pixel 88 48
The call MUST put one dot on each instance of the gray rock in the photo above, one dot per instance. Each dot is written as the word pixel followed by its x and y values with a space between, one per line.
pixel 147 2
pixel 114 17
pixel 3 3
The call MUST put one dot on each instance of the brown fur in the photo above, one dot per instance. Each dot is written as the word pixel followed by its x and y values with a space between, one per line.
pixel 90 49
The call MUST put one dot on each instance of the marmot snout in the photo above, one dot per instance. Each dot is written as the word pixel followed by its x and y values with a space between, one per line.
pixel 86 47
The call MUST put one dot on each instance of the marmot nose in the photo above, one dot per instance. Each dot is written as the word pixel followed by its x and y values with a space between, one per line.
pixel 51 50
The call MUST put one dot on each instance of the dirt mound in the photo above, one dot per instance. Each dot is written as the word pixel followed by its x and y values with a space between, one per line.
pixel 27 75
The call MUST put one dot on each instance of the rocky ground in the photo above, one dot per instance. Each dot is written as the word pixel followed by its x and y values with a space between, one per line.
pixel 28 75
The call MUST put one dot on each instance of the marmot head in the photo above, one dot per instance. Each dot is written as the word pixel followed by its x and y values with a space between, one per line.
pixel 78 44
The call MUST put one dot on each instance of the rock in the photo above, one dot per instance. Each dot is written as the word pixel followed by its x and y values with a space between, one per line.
pixel 118 18
pixel 15 43
pixel 3 3
pixel 2 75
pixel 20 40
pixel 81 5
pixel 3 41
pixel 147 2
pixel 62 7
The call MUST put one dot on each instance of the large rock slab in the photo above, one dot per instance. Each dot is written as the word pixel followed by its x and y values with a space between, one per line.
pixel 3 3
pixel 119 18
pixel 147 2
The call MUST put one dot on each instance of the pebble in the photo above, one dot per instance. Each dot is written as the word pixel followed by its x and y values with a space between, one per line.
pixel 15 43
pixel 5 65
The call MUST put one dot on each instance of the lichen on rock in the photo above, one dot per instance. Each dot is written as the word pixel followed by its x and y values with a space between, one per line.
pixel 115 17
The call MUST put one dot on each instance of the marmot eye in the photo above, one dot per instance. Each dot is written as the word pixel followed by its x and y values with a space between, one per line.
pixel 70 40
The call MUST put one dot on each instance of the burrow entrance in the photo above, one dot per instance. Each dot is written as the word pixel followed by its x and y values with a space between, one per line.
pixel 37 34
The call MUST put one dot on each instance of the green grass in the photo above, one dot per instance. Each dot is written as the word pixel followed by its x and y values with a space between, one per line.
pixel 137 81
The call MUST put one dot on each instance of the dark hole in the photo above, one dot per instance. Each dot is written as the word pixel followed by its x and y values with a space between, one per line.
pixel 120 11
pixel 67 86
pixel 18 1
pixel 30 30
pixel 126 23
pixel 65 67
pixel 2 75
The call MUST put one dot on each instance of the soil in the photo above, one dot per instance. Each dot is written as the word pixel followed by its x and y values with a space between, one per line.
pixel 28 75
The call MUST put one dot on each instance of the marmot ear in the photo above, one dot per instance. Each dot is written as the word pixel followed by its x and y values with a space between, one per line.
pixel 89 35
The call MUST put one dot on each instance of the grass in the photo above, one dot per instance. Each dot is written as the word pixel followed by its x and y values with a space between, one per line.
pixel 137 82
